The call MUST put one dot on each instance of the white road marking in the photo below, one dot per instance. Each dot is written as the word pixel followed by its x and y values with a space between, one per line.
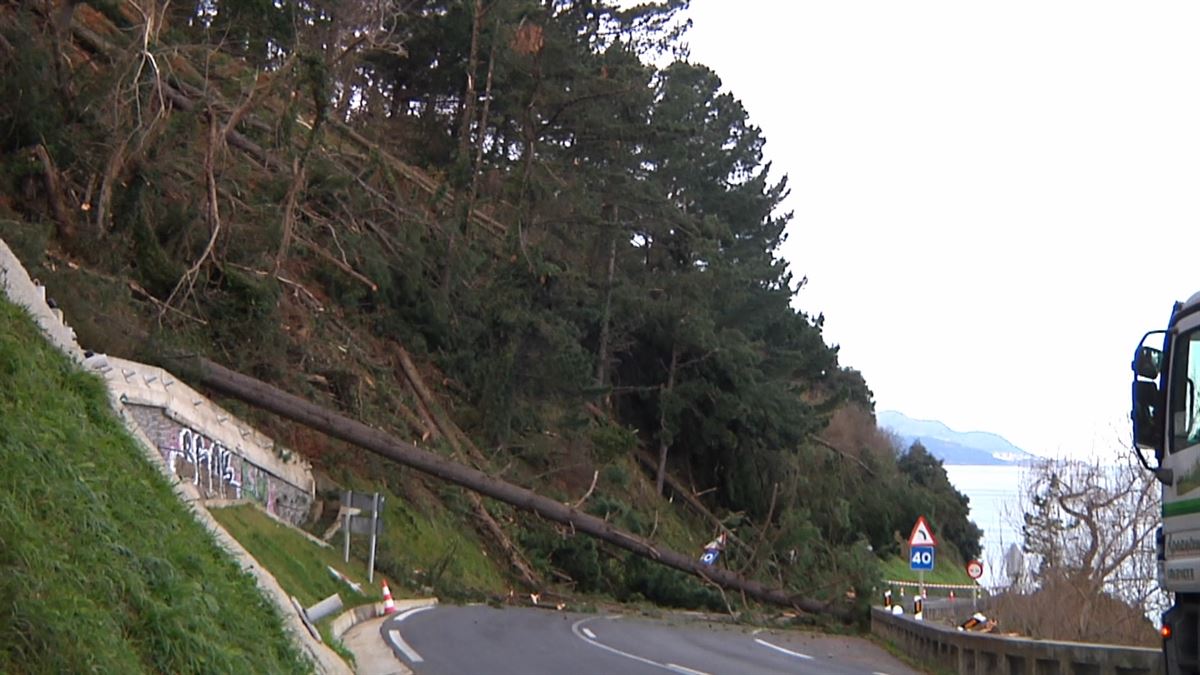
pixel 879 673
pixel 781 649
pixel 588 632
pixel 415 610
pixel 578 631
pixel 413 656
pixel 684 670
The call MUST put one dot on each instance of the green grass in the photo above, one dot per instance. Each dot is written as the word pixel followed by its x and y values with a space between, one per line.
pixel 102 568
pixel 947 570
pixel 427 547
pixel 298 564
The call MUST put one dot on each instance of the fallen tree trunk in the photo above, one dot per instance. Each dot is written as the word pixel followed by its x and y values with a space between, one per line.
pixel 267 397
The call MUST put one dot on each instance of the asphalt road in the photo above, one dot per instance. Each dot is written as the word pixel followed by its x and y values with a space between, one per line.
pixel 477 639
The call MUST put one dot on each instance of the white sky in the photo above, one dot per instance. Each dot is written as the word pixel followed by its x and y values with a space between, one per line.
pixel 993 201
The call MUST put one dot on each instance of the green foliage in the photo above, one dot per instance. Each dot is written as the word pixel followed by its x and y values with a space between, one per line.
pixel 427 546
pixel 103 568
pixel 611 441
pixel 578 557
pixel 246 320
pixel 616 476
pixel 666 586
pixel 33 110
pixel 934 497
pixel 27 240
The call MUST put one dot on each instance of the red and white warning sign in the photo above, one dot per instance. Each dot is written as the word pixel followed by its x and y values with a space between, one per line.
pixel 974 569
pixel 921 535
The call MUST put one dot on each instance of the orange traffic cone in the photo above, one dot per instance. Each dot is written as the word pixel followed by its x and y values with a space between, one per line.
pixel 389 606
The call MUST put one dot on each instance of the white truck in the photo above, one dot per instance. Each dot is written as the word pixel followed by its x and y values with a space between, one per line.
pixel 1166 419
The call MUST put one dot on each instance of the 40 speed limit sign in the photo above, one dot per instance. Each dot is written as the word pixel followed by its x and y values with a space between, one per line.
pixel 974 569
pixel 921 558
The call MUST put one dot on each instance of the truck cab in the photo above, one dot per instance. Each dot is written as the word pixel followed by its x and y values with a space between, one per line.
pixel 1166 420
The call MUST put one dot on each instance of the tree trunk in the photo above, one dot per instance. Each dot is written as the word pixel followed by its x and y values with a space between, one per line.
pixel 606 314
pixel 663 446
pixel 63 215
pixel 460 178
pixel 688 497
pixel 263 395
pixel 468 107
pixel 477 163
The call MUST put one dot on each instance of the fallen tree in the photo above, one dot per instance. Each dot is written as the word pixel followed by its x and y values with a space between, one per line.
pixel 268 397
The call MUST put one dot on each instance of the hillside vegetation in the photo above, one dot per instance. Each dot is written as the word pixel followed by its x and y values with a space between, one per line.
pixel 489 227
pixel 102 568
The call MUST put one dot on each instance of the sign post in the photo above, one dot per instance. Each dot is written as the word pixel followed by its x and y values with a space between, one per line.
pixel 363 515
pixel 921 548
pixel 374 535
pixel 975 570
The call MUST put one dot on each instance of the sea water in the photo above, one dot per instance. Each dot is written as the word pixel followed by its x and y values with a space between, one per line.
pixel 996 507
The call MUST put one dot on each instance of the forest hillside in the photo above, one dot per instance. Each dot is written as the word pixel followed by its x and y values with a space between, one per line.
pixel 489 227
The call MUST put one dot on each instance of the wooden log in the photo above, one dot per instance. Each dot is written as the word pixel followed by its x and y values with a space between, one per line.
pixel 453 434
pixel 267 397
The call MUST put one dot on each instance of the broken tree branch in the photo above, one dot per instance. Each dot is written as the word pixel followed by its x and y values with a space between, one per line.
pixel 54 194
pixel 595 477
pixel 213 214
pixel 358 276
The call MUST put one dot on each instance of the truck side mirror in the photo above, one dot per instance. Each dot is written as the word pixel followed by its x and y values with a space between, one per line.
pixel 1148 363
pixel 1147 416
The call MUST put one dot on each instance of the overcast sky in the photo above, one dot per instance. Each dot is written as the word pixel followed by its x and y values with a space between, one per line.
pixel 993 201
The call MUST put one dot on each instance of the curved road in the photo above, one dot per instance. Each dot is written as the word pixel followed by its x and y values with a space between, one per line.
pixel 449 640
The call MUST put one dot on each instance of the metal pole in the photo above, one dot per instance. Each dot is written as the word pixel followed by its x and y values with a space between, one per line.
pixel 348 497
pixel 921 580
pixel 374 525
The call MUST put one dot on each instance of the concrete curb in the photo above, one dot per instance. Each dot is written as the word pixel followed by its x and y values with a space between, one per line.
pixel 359 632
pixel 352 617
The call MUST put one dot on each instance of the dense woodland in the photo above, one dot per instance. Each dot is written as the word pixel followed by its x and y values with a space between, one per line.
pixel 578 247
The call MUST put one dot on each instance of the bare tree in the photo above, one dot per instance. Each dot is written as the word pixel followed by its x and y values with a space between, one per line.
pixel 1088 530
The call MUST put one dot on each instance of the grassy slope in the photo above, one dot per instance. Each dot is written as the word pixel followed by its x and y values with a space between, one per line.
pixel 102 569
pixel 947 570
pixel 297 564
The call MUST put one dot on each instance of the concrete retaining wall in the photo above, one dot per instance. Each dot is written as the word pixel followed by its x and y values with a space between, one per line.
pixel 203 443
pixel 969 653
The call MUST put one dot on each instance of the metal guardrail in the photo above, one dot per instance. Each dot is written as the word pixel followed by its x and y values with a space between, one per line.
pixel 968 653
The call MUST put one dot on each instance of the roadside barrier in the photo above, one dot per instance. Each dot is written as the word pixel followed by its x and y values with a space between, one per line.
pixel 948 649
pixel 943 587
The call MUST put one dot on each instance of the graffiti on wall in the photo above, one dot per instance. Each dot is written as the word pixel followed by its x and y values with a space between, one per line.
pixel 201 452
pixel 216 470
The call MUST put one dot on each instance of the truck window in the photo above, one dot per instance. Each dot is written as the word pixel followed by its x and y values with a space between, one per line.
pixel 1185 405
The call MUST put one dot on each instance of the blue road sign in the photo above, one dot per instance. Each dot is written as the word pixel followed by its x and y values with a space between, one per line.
pixel 920 558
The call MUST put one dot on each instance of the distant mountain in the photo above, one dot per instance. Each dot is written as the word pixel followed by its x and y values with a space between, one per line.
pixel 950 446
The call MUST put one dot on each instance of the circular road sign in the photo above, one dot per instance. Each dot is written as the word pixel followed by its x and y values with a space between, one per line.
pixel 974 569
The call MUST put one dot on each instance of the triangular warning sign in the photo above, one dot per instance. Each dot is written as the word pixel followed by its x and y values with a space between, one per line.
pixel 921 535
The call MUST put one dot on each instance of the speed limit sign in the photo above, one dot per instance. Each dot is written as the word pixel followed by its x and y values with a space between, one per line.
pixel 974 569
